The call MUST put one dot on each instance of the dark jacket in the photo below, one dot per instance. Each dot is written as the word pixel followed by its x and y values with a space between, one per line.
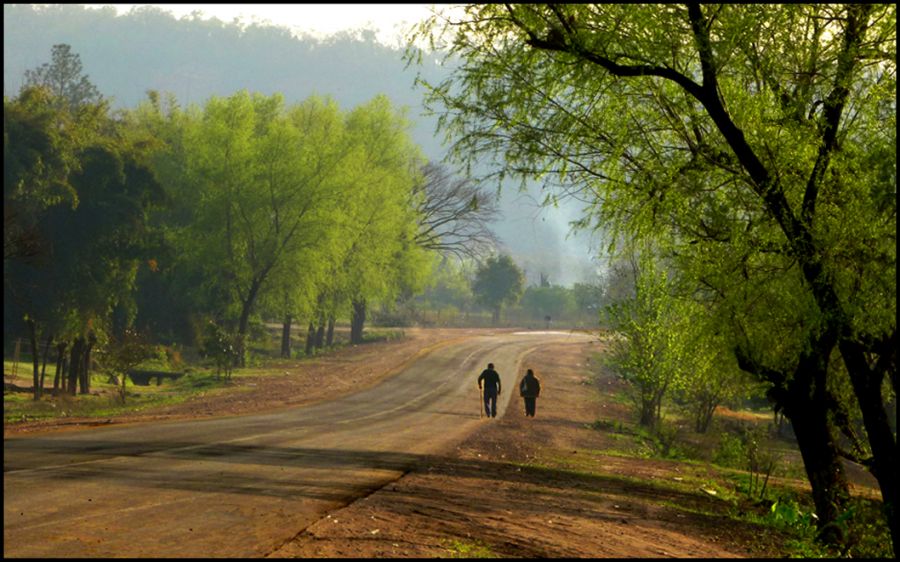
pixel 530 387
pixel 491 380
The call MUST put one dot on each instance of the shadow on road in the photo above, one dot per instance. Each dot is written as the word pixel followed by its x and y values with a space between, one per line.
pixel 318 473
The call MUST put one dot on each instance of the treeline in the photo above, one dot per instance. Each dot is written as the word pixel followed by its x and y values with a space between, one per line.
pixel 182 223
pixel 147 48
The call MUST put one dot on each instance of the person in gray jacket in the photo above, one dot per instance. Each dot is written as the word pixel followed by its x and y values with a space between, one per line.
pixel 529 390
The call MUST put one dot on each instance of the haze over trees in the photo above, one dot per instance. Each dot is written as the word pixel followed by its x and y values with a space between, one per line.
pixel 194 58
pixel 752 150
pixel 194 224
pixel 742 158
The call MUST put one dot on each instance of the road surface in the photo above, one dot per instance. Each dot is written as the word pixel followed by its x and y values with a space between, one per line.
pixel 242 486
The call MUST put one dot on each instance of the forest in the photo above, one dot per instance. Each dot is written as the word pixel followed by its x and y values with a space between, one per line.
pixel 147 48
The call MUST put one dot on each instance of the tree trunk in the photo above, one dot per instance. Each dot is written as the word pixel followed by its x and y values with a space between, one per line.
pixel 495 316
pixel 803 400
pixel 808 413
pixel 320 334
pixel 705 411
pixel 357 321
pixel 59 379
pixel 244 322
pixel 648 410
pixel 867 383
pixel 35 359
pixel 310 338
pixel 822 462
pixel 286 337
pixel 44 362
pixel 329 335
pixel 85 376
pixel 75 365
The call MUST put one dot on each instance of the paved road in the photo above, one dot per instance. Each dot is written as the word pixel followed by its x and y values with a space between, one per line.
pixel 242 486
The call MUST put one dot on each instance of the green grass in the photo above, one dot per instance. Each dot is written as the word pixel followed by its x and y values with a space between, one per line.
pixel 105 398
pixel 468 549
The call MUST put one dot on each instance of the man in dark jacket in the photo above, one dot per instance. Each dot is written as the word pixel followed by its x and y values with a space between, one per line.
pixel 491 380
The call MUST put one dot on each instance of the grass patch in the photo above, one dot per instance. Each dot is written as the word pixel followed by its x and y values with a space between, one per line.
pixel 105 400
pixel 468 549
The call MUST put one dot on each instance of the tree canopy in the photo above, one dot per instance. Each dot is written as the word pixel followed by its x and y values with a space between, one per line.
pixel 498 282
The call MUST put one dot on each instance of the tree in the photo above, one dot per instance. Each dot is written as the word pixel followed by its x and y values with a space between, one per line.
pixel 548 302
pixel 454 214
pixel 740 135
pixel 649 352
pixel 63 77
pixel 588 298
pixel 712 376
pixel 219 345
pixel 125 352
pixel 378 209
pixel 498 282
pixel 264 193
pixel 36 162
pixel 86 201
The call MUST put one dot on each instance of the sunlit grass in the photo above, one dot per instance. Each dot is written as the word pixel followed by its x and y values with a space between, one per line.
pixel 468 549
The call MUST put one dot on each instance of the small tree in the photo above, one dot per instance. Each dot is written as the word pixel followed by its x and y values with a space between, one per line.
pixel 649 354
pixel 498 282
pixel 124 353
pixel 711 375
pixel 64 79
pixel 218 345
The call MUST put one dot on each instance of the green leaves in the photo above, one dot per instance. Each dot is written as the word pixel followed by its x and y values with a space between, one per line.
pixel 498 282
pixel 293 210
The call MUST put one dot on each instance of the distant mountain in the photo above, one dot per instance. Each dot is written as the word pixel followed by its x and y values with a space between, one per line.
pixel 127 55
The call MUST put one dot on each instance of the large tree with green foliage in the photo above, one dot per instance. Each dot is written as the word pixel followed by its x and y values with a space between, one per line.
pixel 263 192
pixel 380 217
pixel 498 282
pixel 754 144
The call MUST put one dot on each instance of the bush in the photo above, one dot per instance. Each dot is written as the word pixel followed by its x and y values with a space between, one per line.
pixel 730 451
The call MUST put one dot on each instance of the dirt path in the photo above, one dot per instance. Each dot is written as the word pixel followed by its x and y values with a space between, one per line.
pixel 511 491
pixel 515 487
pixel 303 382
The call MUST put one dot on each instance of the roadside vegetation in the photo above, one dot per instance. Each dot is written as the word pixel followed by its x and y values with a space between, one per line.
pixel 197 377
pixel 746 460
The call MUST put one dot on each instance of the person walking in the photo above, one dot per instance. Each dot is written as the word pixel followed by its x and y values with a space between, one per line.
pixel 491 379
pixel 529 390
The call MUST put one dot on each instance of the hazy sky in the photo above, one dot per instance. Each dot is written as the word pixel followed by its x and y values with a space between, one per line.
pixel 318 20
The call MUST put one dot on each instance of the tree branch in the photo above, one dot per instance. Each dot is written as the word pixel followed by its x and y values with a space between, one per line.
pixel 857 23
